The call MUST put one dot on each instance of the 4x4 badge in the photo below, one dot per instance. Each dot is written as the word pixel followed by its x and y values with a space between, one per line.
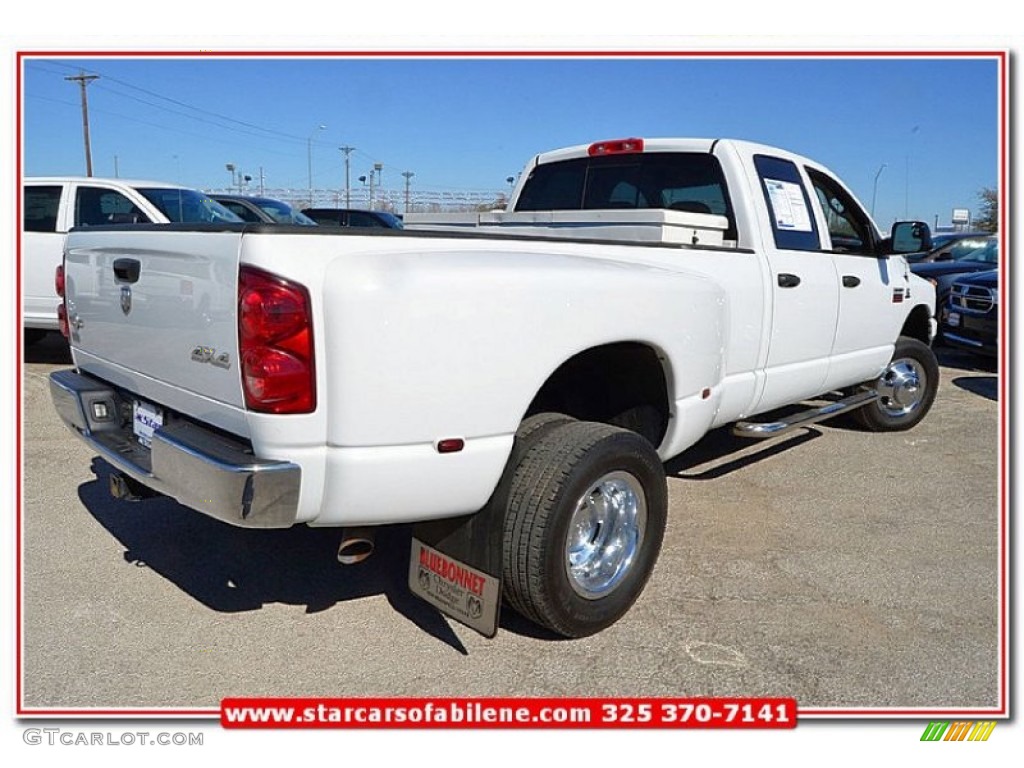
pixel 126 299
pixel 201 354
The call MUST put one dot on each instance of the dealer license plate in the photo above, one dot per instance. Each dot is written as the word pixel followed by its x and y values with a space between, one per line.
pixel 454 588
pixel 146 419
pixel 954 319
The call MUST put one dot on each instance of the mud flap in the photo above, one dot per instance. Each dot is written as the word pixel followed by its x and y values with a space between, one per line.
pixel 455 565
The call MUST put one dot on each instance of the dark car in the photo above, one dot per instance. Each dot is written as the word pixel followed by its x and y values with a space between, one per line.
pixel 949 245
pixel 263 210
pixel 970 319
pixel 353 217
pixel 942 274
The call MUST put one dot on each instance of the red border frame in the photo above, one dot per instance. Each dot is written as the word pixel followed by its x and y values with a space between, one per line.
pixel 1001 56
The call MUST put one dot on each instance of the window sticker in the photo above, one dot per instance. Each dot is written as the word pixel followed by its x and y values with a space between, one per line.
pixel 788 206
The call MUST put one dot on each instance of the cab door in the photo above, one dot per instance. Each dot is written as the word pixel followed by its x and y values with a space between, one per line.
pixel 802 283
pixel 873 289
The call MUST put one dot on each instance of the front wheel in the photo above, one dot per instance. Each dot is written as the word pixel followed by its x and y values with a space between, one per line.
pixel 583 528
pixel 906 388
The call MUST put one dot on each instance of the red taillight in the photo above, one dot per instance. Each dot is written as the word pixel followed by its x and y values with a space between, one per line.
pixel 275 341
pixel 62 310
pixel 62 321
pixel 616 147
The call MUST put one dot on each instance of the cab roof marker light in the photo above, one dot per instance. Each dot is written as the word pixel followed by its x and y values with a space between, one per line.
pixel 616 147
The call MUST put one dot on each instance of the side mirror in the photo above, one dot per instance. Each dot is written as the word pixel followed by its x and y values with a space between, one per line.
pixel 910 237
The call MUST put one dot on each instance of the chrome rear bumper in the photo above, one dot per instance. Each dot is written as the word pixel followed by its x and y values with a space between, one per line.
pixel 198 467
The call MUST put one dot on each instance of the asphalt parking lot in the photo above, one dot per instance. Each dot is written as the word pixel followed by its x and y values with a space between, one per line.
pixel 846 569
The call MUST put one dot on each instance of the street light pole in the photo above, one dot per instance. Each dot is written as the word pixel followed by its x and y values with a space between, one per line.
pixel 874 189
pixel 348 190
pixel 309 160
pixel 408 175
pixel 906 189
pixel 377 168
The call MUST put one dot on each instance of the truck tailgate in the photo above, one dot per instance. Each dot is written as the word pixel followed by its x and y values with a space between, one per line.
pixel 154 309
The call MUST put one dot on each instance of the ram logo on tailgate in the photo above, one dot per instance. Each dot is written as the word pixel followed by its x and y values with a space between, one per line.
pixel 201 354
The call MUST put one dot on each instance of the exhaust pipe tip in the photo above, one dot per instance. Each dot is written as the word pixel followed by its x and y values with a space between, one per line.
pixel 125 488
pixel 357 545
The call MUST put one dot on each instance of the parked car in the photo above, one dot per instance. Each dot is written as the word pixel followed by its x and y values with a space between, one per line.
pixel 942 274
pixel 264 210
pixel 970 318
pixel 949 245
pixel 53 205
pixel 352 217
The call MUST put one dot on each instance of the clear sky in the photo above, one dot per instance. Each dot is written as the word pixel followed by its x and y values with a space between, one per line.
pixel 469 123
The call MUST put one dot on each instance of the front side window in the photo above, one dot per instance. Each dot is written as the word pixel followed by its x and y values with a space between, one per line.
pixel 848 226
pixel 95 206
pixel 187 206
pixel 40 209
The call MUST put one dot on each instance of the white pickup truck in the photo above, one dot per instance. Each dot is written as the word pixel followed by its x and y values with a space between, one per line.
pixel 510 382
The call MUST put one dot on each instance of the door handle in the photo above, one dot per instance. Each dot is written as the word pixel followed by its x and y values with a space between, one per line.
pixel 787 280
pixel 850 281
pixel 127 270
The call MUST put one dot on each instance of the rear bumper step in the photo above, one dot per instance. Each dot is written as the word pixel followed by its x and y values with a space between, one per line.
pixel 196 466
pixel 761 430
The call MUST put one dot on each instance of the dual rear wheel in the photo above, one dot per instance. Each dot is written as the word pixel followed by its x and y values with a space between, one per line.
pixel 584 523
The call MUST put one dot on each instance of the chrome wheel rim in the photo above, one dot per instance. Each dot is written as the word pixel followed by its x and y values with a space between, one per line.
pixel 605 534
pixel 902 387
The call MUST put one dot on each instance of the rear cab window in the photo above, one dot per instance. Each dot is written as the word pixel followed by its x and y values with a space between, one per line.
pixel 682 181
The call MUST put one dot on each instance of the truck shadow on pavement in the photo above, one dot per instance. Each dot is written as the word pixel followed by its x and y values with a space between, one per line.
pixel 231 569
pixel 52 349
pixel 720 452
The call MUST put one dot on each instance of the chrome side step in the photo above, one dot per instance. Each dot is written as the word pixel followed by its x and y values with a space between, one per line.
pixel 805 418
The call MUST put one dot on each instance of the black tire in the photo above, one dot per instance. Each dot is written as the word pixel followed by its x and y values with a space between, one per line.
pixel 907 388
pixel 571 466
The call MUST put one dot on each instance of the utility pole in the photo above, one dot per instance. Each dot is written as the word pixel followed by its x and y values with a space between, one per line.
pixel 309 159
pixel 262 191
pixel 348 192
pixel 83 80
pixel 408 175
pixel 371 189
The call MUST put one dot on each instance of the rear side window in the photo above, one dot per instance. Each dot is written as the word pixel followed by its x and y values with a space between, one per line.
pixel 95 206
pixel 40 210
pixel 790 208
pixel 682 181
